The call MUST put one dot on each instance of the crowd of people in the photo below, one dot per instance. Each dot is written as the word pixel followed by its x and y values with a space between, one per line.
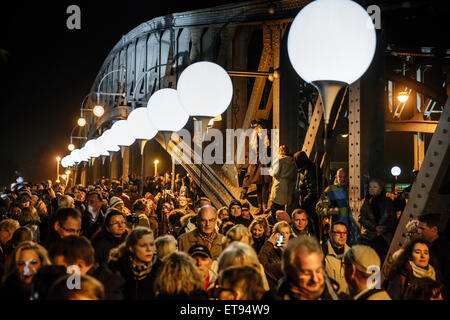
pixel 106 241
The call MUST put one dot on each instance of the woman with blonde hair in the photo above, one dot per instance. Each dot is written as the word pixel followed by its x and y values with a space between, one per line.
pixel 271 251
pixel 260 230
pixel 23 264
pixel 165 245
pixel 180 279
pixel 239 233
pixel 240 254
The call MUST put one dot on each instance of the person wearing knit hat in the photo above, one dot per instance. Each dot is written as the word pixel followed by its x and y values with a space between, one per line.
pixel 118 204
pixel 361 267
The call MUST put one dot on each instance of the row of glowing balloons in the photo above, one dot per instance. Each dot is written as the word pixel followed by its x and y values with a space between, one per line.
pixel 204 89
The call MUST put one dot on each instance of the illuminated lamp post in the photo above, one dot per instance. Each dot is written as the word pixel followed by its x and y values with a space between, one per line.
pixel 331 44
pixel 142 130
pixel 395 171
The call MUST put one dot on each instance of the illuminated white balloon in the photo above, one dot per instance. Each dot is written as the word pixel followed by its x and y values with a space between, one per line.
pixel 331 40
pixel 90 149
pixel 107 141
pixel 99 147
pixel 205 89
pixel 140 126
pixel 121 134
pixel 76 156
pixel 84 154
pixel 165 111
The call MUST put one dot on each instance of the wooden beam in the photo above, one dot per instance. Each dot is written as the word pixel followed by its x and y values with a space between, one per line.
pixel 411 126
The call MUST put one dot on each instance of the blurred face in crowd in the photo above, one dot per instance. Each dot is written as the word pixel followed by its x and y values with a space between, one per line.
pixel 342 177
pixel 15 211
pixel 257 231
pixel 70 227
pixel 245 212
pixel 203 263
pixel 166 208
pixel 5 236
pixel 94 202
pixel 144 249
pixel 28 263
pixel 236 210
pixel 421 255
pixel 223 214
pixel 120 207
pixel 300 221
pixel 374 188
pixel 339 235
pixel 427 233
pixel 80 196
pixel 117 226
pixel 182 201
pixel 206 220
pixel 308 273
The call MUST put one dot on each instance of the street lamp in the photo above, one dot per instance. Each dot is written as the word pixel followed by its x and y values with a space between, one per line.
pixel 156 167
pixel 395 171
pixel 81 121
pixel 142 130
pixel 403 96
pixel 166 113
pixel 58 159
pixel 331 44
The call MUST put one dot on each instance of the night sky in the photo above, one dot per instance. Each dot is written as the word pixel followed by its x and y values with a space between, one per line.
pixel 48 69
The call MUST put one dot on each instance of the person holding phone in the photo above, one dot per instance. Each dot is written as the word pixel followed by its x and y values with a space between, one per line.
pixel 271 252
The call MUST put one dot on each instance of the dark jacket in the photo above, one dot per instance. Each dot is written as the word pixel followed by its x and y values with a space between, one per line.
pixel 270 258
pixel 377 212
pixel 258 243
pixel 103 243
pixel 13 289
pixel 440 259
pixel 136 289
pixel 237 220
pixel 90 227
pixel 112 281
pixel 283 293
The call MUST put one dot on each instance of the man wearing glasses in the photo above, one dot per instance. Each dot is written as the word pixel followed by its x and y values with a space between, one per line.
pixel 67 223
pixel 335 246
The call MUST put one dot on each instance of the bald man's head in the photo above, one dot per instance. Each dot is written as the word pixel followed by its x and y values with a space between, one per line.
pixel 207 219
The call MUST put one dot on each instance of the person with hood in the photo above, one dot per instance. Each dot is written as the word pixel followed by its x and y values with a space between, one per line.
pixel 235 214
pixel 136 261
pixel 283 175
pixel 93 217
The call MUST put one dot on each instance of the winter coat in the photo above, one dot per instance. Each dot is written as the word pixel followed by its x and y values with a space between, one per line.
pixel 270 258
pixel 258 244
pixel 90 227
pixel 334 267
pixel 12 289
pixel 113 282
pixel 284 173
pixel 187 240
pixel 136 289
pixel 377 212
pixel 150 221
pixel 103 243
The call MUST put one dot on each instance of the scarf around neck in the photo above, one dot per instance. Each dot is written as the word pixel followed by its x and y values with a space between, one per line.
pixel 420 272
pixel 140 271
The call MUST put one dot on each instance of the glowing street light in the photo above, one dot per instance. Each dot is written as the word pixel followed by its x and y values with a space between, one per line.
pixel 403 96
pixel 98 111
pixel 58 159
pixel 156 167
pixel 81 122
pixel 395 171
pixel 71 147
